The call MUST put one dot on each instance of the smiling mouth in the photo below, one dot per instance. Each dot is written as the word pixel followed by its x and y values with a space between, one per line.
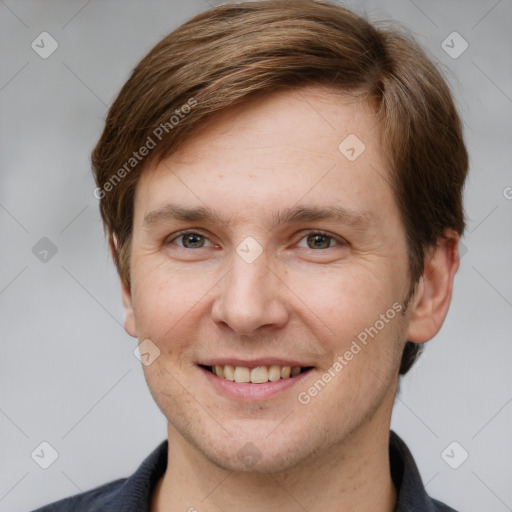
pixel 257 375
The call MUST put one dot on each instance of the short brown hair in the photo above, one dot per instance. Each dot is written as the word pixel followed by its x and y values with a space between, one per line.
pixel 223 55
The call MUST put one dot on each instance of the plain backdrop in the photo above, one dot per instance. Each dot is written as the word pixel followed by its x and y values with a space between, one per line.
pixel 68 374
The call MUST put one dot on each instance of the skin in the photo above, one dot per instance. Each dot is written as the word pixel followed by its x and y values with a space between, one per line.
pixel 198 299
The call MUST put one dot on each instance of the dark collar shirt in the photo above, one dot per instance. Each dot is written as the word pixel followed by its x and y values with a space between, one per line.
pixel 133 494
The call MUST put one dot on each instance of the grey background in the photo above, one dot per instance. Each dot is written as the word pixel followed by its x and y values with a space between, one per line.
pixel 68 375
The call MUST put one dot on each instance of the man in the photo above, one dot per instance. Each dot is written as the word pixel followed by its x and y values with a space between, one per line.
pixel 281 184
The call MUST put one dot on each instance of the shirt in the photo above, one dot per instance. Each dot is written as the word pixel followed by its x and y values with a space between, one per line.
pixel 133 494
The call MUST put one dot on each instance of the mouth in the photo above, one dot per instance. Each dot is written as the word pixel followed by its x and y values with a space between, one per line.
pixel 256 375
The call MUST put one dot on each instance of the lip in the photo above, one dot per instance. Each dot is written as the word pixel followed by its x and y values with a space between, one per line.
pixel 248 391
pixel 253 363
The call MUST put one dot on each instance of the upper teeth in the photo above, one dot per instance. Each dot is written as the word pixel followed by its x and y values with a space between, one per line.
pixel 256 375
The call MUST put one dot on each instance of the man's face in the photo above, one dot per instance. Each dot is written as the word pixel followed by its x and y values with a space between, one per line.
pixel 255 288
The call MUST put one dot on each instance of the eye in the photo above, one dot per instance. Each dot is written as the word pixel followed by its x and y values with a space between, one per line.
pixel 320 240
pixel 313 240
pixel 190 240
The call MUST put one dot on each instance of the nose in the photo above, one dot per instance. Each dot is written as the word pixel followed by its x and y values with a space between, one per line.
pixel 251 298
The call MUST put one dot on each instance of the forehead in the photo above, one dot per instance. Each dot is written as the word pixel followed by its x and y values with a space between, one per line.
pixel 302 119
pixel 309 143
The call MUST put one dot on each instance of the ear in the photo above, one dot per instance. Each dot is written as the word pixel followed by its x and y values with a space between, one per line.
pixel 129 317
pixel 431 301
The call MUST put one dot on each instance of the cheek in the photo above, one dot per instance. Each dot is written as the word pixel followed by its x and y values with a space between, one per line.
pixel 166 390
pixel 343 301
pixel 165 296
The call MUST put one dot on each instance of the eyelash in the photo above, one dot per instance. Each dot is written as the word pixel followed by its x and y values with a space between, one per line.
pixel 340 242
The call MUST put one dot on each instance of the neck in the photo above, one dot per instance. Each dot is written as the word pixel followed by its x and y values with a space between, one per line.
pixel 355 475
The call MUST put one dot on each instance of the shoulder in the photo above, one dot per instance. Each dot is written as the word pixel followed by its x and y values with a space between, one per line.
pixel 131 494
pixel 411 493
pixel 441 507
pixel 95 500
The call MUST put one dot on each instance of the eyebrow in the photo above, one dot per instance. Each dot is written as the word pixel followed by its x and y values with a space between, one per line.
pixel 294 215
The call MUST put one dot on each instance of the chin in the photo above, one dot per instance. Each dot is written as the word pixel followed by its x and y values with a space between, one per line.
pixel 250 459
pixel 255 448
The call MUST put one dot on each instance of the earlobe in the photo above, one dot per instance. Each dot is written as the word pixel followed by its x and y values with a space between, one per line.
pixel 431 301
pixel 129 317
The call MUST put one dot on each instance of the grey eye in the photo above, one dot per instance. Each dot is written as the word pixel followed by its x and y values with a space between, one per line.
pixel 318 241
pixel 192 240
